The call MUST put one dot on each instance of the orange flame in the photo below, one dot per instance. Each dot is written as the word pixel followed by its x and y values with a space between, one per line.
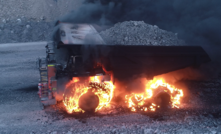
pixel 104 91
pixel 139 101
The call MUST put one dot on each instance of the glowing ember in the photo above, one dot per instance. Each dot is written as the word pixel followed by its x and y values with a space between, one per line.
pixel 104 91
pixel 144 101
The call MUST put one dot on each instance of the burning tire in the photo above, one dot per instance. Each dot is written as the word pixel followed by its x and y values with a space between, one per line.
pixel 89 96
pixel 78 98
pixel 162 97
pixel 158 94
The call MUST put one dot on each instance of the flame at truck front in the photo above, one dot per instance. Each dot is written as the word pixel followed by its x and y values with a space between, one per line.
pixel 102 90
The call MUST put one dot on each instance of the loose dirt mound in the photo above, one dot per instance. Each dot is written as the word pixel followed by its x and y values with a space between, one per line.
pixel 139 33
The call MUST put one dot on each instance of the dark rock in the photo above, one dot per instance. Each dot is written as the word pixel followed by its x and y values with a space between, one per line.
pixel 139 33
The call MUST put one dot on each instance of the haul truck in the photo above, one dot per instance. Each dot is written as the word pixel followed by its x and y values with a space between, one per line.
pixel 78 50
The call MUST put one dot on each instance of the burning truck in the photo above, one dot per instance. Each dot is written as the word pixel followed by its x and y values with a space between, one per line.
pixel 80 70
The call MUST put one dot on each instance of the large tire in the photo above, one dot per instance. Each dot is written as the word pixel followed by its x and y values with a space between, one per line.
pixel 88 102
pixel 162 98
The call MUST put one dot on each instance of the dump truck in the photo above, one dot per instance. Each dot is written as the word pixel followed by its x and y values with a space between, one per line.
pixel 78 50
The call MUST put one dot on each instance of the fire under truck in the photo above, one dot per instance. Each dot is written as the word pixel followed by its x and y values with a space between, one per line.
pixel 78 50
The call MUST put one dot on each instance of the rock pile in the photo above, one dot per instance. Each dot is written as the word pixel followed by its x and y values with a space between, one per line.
pixel 139 33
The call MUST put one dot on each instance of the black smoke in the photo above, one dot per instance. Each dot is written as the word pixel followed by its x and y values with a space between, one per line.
pixel 196 21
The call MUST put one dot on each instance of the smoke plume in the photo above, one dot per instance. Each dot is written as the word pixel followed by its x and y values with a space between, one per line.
pixel 196 21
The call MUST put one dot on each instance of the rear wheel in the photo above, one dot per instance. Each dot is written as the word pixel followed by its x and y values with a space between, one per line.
pixel 162 97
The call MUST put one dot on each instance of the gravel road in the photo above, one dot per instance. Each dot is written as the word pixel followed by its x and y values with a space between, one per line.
pixel 20 110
